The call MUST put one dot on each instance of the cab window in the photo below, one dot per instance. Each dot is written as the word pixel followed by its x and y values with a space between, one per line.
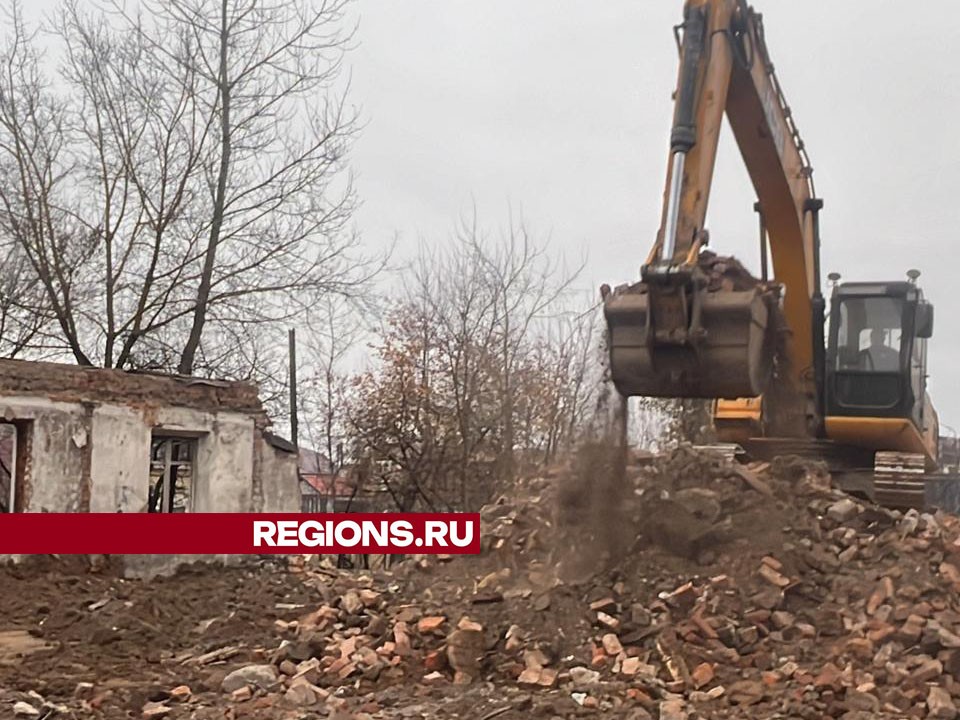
pixel 869 337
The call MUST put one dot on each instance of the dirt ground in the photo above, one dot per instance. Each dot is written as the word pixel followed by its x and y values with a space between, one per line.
pixel 680 587
pixel 126 636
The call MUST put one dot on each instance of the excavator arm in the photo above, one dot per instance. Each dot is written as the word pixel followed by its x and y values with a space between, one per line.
pixel 700 326
pixel 678 333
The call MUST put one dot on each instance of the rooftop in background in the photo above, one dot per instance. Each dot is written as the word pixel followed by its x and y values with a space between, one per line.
pixel 314 462
pixel 316 470
pixel 74 383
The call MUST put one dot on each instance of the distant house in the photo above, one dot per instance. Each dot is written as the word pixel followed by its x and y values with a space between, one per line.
pixel 950 454
pixel 322 489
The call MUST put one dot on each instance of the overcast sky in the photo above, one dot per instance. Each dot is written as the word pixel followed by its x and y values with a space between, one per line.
pixel 561 108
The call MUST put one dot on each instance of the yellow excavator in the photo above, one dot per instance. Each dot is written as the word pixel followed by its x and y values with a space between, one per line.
pixel 852 393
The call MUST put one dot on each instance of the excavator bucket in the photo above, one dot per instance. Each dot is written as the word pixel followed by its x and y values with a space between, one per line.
pixel 682 339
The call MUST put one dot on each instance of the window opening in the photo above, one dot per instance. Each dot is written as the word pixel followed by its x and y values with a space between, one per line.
pixel 171 474
pixel 870 334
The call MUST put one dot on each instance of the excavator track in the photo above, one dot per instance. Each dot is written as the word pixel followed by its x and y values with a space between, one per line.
pixel 894 480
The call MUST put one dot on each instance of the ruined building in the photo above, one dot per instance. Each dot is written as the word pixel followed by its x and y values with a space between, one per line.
pixel 76 439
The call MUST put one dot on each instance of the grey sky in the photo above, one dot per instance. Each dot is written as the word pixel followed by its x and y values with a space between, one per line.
pixel 562 109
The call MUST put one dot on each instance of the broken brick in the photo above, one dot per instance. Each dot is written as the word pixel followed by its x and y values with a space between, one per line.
pixel 773 577
pixel 940 705
pixel 843 510
pixel 611 644
pixel 542 677
pixel 435 660
pixel 880 595
pixel 608 620
pixel 702 675
pixel 606 605
pixel 929 669
pixel 910 631
pixel 829 677
pixel 634 665
pixel 401 638
pixel 434 678
pixel 431 625
pixel 746 692
pixel 181 693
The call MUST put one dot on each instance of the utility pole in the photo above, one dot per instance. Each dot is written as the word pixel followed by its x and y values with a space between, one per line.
pixel 294 424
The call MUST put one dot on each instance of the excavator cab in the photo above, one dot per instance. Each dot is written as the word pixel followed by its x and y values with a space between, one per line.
pixel 877 357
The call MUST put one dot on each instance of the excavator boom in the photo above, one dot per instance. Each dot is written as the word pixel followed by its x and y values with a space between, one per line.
pixel 699 326
pixel 678 334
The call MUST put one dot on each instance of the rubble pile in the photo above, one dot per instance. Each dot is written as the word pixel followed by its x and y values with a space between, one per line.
pixel 688 587
pixel 744 587
pixel 723 272
pixel 726 272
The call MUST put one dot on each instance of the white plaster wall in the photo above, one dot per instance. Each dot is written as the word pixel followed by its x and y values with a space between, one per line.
pixel 223 478
pixel 278 473
pixel 231 465
pixel 120 452
pixel 120 463
pixel 59 434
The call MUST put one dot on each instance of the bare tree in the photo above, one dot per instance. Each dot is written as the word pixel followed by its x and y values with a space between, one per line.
pixel 449 287
pixel 526 282
pixel 332 332
pixel 35 165
pixel 266 78
pixel 468 372
pixel 24 315
pixel 180 191
pixel 557 381
pixel 140 141
pixel 397 431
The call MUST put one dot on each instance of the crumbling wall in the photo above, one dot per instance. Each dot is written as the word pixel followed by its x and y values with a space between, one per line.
pixel 90 432
pixel 278 479
pixel 72 383
pixel 224 473
pixel 58 435
pixel 118 441
pixel 120 472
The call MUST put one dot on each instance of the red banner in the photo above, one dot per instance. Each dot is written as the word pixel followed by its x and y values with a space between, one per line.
pixel 239 533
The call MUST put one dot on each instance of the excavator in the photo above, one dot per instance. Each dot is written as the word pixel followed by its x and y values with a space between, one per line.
pixel 849 387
